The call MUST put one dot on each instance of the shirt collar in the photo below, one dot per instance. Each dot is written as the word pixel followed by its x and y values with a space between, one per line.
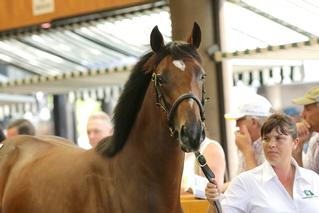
pixel 269 172
pixel 299 174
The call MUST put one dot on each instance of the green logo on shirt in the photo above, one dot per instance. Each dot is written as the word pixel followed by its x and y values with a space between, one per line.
pixel 308 194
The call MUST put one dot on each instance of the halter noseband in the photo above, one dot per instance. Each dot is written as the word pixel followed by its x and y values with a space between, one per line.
pixel 160 101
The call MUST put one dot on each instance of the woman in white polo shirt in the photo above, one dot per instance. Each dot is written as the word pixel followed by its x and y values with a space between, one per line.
pixel 279 185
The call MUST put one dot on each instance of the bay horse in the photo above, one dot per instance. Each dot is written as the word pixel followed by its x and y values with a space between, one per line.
pixel 159 116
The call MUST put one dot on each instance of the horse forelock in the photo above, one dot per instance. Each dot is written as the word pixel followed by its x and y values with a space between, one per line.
pixel 134 91
pixel 180 50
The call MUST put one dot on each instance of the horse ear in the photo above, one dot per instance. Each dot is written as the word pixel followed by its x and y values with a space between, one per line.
pixel 157 41
pixel 195 38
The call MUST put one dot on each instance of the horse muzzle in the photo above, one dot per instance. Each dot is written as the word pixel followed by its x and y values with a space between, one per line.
pixel 191 135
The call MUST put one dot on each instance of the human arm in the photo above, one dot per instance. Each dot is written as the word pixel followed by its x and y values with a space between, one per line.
pixel 304 135
pixel 215 159
pixel 244 145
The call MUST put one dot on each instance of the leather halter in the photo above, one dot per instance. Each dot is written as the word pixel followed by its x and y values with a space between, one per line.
pixel 161 102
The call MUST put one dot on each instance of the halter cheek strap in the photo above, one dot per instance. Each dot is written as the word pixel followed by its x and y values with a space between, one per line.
pixel 161 102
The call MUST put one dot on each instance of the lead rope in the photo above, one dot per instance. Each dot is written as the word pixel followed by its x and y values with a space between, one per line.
pixel 209 175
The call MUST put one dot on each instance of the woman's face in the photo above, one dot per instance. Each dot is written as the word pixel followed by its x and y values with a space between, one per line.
pixel 278 148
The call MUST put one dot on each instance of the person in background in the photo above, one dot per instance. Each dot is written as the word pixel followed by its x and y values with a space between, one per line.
pixel 279 184
pixel 99 126
pixel 293 112
pixel 20 127
pixel 249 114
pixel 193 179
pixel 308 130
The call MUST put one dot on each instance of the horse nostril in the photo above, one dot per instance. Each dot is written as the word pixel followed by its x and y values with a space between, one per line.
pixel 184 136
pixel 191 136
pixel 183 132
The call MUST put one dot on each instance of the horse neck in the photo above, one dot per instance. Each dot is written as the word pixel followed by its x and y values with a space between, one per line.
pixel 153 157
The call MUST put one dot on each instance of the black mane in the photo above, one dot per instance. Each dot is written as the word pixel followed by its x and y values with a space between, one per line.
pixel 133 94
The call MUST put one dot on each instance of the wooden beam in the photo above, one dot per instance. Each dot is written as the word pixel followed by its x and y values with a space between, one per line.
pixel 17 13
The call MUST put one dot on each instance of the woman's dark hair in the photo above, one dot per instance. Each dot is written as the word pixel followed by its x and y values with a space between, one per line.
pixel 283 124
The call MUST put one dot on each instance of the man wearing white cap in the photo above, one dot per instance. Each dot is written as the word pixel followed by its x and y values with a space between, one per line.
pixel 250 115
pixel 308 130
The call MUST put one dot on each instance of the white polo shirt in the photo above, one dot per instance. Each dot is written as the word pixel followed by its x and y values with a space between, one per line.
pixel 260 191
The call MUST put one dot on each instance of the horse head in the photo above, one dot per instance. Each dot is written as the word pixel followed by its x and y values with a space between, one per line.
pixel 178 78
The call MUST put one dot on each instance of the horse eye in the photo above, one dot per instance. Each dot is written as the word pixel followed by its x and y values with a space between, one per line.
pixel 160 79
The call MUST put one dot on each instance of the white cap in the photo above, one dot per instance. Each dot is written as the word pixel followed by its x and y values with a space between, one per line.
pixel 252 105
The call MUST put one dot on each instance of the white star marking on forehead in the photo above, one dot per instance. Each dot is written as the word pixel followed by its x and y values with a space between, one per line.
pixel 179 64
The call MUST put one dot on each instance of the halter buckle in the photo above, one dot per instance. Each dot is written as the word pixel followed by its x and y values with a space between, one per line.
pixel 161 106
pixel 171 131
